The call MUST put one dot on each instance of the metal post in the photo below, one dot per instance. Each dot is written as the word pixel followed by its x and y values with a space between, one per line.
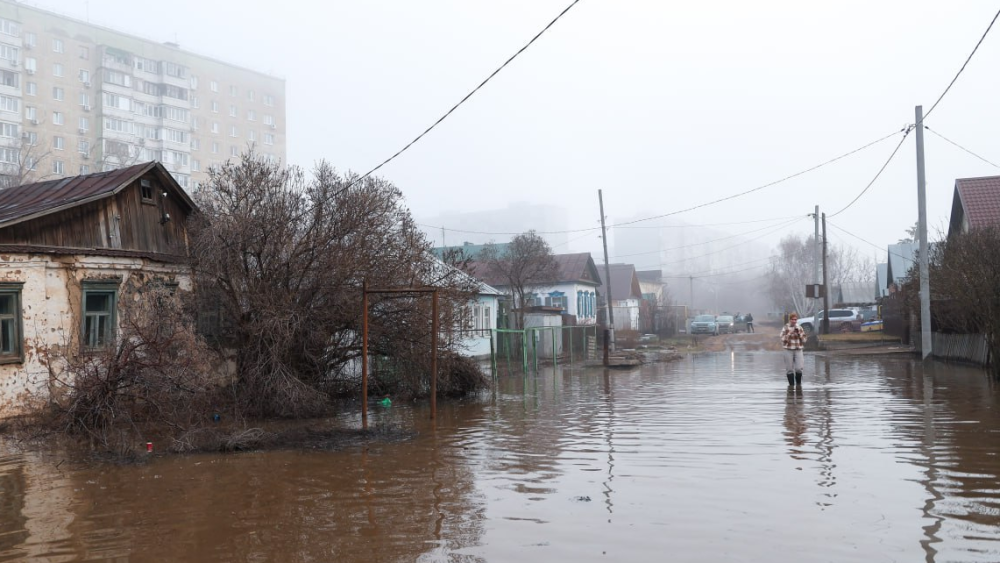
pixel 606 354
pixel 571 345
pixel 493 356
pixel 434 352
pixel 555 359
pixel 816 251
pixel 364 354
pixel 826 289
pixel 607 273
pixel 925 285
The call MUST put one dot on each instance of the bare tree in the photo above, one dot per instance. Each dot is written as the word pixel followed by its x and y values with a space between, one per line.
pixel 285 258
pixel 527 261
pixel 791 270
pixel 29 165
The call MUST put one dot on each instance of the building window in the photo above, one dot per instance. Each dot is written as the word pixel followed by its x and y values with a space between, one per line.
pixel 9 155
pixel 233 131
pixel 84 169
pixel 234 150
pixel 11 79
pixel 31 65
pixel 57 70
pixel 215 127
pixel 251 95
pixel 57 118
pixel 57 46
pixel 99 304
pixel 195 144
pixel 233 91
pixel 214 86
pixel 268 119
pixel 195 165
pixel 251 115
pixel 30 113
pixel 268 100
pixel 84 76
pixel 58 143
pixel 215 106
pixel 233 112
pixel 11 28
pixel 58 167
pixel 83 146
pixel 10 104
pixel 194 82
pixel 84 123
pixel 215 148
pixel 252 135
pixel 10 322
pixel 268 138
pixel 146 190
pixel 85 100
pixel 84 52
pixel 8 130
pixel 31 139
pixel 58 93
pixel 31 89
pixel 194 102
pixel 30 39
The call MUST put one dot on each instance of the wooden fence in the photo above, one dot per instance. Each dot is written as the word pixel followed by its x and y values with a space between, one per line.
pixel 963 347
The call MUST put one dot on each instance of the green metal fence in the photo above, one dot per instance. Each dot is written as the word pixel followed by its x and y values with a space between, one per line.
pixel 567 344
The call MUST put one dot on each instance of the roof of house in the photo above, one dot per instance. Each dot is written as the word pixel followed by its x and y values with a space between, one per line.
pixel 855 293
pixel 444 270
pixel 469 250
pixel 624 282
pixel 650 276
pixel 901 259
pixel 571 268
pixel 30 201
pixel 977 201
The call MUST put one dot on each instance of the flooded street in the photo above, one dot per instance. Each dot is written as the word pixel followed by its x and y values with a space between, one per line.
pixel 711 458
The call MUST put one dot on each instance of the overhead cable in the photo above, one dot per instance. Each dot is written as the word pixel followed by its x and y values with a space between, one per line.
pixel 961 147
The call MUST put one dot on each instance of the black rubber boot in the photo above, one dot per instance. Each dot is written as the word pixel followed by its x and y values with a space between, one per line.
pixel 798 378
pixel 791 380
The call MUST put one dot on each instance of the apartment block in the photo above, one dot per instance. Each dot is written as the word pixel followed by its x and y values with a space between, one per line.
pixel 77 98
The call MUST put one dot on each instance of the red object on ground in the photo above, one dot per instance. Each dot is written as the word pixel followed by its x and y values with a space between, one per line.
pixel 149 447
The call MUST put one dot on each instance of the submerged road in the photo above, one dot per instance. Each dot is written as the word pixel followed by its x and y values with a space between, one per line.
pixel 711 458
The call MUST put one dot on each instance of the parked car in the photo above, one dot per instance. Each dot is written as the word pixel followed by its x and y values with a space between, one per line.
pixel 725 324
pixel 841 320
pixel 704 324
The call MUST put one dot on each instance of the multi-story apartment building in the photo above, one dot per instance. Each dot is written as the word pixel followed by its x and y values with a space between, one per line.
pixel 77 98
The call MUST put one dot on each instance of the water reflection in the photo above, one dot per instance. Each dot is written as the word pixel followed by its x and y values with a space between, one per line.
pixel 711 458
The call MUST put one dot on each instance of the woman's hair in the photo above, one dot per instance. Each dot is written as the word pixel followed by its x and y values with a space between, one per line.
pixel 793 316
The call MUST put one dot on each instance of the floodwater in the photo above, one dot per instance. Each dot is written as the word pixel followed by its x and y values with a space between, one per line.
pixel 711 458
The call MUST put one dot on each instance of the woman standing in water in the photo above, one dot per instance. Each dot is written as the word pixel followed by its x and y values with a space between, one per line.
pixel 793 340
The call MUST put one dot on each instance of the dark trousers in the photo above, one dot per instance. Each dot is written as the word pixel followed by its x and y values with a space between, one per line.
pixel 750 327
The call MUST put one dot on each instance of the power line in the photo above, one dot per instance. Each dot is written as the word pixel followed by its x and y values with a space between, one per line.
pixel 961 147
pixel 780 227
pixel 687 226
pixel 758 188
pixel 464 99
pixel 910 258
pixel 571 231
pixel 959 73
pixel 877 174
pixel 714 272
pixel 697 243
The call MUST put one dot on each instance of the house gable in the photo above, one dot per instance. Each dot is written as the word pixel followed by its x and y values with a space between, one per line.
pixel 976 204
pixel 138 210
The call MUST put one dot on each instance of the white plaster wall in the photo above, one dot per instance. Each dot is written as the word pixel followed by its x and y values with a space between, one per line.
pixel 50 312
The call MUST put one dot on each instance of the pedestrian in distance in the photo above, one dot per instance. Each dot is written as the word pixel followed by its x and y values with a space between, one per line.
pixel 749 320
pixel 793 340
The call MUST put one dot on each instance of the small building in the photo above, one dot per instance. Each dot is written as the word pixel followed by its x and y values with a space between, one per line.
pixel 69 248
pixel 902 257
pixel 625 296
pixel 573 291
pixel 475 335
pixel 976 204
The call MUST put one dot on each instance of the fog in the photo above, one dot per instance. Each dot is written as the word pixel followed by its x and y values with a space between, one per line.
pixel 663 106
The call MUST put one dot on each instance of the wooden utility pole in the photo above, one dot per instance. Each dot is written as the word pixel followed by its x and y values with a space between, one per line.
pixel 926 342
pixel 607 275
pixel 826 288
pixel 364 354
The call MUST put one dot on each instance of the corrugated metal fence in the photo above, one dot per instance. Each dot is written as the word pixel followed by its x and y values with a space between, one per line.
pixel 963 347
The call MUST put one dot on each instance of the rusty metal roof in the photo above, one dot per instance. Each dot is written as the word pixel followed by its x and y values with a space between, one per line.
pixel 30 201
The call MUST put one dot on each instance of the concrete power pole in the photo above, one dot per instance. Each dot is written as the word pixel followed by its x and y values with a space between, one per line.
pixel 826 290
pixel 925 285
pixel 607 274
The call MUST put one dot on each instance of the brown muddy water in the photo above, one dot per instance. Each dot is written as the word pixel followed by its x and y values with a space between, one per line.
pixel 711 458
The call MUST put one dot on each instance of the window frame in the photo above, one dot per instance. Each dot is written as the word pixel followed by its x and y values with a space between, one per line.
pixel 145 184
pixel 16 356
pixel 103 287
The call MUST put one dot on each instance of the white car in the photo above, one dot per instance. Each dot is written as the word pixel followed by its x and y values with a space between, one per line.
pixel 841 320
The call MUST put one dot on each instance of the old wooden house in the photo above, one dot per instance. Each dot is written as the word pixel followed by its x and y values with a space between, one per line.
pixel 68 248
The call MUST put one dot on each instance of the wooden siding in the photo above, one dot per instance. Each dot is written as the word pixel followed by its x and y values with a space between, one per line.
pixel 119 222
pixel 963 347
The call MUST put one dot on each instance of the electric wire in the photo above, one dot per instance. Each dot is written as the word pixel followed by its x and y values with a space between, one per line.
pixel 877 174
pixel 777 229
pixel 961 147
pixel 890 253
pixel 570 231
pixel 959 73
pixel 464 99
pixel 687 226
pixel 768 185
pixel 697 243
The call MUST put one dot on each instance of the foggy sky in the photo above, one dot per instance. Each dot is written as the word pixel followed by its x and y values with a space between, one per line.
pixel 663 105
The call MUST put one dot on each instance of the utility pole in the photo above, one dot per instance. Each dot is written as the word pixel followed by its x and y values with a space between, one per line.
pixel 607 274
pixel 691 279
pixel 826 290
pixel 816 252
pixel 925 284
